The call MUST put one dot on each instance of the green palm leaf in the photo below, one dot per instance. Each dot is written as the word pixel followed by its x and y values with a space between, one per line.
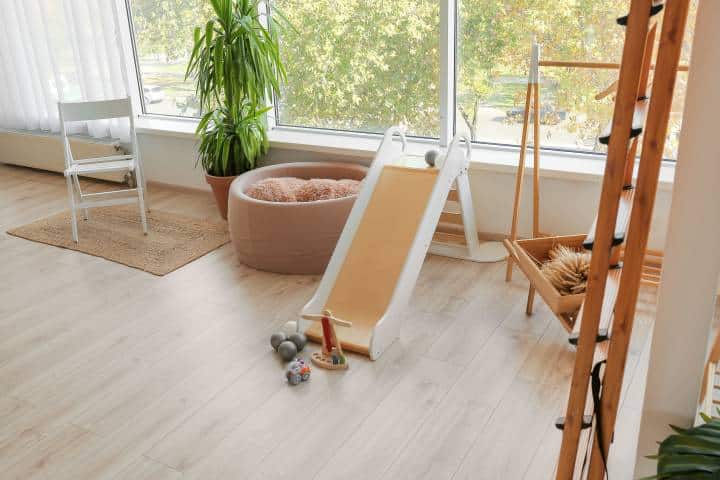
pixel 690 453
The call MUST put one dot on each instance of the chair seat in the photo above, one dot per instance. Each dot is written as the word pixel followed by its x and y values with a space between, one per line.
pixel 100 165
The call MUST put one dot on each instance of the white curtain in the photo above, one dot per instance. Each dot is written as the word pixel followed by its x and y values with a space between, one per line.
pixel 59 50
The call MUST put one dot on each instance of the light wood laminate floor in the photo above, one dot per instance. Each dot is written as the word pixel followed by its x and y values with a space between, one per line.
pixel 107 372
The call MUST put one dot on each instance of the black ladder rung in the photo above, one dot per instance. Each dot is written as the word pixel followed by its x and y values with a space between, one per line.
pixel 634 132
pixel 586 422
pixel 621 224
pixel 654 10
pixel 603 335
pixel 618 239
pixel 638 122
pixel 612 287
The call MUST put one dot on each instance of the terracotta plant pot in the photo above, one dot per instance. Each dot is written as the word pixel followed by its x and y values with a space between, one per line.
pixel 220 187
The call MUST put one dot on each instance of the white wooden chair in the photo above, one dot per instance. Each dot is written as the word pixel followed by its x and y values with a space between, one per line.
pixel 88 111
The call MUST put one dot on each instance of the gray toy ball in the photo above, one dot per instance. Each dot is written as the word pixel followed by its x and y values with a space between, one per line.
pixel 431 156
pixel 287 350
pixel 276 339
pixel 299 339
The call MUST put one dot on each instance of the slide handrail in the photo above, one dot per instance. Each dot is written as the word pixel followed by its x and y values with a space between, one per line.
pixel 456 142
pixel 391 132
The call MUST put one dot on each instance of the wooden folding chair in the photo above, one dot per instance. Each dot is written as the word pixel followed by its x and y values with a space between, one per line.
pixel 101 110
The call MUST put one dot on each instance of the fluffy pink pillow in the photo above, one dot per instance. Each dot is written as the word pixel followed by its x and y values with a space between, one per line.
pixel 326 189
pixel 275 189
pixel 291 189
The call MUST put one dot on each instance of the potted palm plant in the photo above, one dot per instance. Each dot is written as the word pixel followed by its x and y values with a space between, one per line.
pixel 690 452
pixel 236 66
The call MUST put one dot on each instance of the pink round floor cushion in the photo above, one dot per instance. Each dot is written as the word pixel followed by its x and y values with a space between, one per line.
pixel 292 189
pixel 291 236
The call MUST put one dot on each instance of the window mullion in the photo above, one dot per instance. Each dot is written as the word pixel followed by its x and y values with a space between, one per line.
pixel 447 70
pixel 132 65
pixel 265 10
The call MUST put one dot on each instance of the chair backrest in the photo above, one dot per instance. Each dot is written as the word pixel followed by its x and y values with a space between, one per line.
pixel 98 110
pixel 95 110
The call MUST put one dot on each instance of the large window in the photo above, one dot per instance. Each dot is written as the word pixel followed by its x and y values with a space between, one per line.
pixel 494 42
pixel 363 66
pixel 163 42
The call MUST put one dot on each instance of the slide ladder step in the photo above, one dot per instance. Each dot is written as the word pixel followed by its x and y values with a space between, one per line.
pixel 637 123
pixel 621 225
pixel 452 218
pixel 446 238
pixel 656 8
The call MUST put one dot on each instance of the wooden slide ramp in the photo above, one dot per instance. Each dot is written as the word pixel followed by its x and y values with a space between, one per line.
pixel 373 265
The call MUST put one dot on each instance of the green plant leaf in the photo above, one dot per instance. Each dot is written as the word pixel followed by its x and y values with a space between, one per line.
pixel 690 453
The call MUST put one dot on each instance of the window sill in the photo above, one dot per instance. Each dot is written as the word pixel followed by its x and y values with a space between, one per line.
pixel 495 158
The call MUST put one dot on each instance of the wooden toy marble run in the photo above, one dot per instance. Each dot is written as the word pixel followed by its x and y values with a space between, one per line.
pixel 331 356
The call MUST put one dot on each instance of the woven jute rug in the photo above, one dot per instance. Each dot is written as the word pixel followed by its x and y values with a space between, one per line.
pixel 115 233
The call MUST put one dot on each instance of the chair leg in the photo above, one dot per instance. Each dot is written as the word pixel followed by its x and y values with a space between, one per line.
pixel 141 201
pixel 145 196
pixel 73 215
pixel 86 213
pixel 140 182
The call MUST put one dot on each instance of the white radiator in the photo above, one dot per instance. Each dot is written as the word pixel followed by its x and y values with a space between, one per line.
pixel 44 151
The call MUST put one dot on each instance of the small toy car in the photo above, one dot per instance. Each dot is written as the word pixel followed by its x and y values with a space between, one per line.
pixel 298 371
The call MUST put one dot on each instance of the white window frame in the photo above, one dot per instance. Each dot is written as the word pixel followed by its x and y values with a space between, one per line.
pixel 448 70
pixel 127 42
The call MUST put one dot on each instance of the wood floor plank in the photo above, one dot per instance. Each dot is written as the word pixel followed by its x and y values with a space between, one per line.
pixel 241 452
pixel 67 397
pixel 507 443
pixel 37 462
pixel 438 448
pixel 18 434
pixel 337 416
pixel 213 351
pixel 370 451
pixel 147 469
pixel 106 455
pixel 461 417
pixel 183 447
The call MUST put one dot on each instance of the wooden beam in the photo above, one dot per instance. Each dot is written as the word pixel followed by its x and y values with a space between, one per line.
pixel 594 65
pixel 519 177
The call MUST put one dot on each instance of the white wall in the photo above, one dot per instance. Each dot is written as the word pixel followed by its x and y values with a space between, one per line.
pixel 568 201
pixel 686 298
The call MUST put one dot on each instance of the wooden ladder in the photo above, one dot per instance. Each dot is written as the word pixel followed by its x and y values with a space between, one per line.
pixel 622 225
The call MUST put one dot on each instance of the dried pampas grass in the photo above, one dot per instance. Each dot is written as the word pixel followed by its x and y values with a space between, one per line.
pixel 567 270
